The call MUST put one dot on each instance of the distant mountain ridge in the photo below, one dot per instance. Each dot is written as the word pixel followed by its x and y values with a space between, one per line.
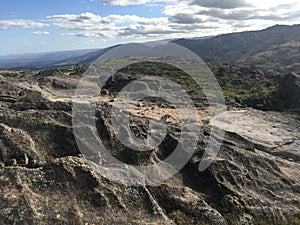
pixel 274 48
pixel 42 60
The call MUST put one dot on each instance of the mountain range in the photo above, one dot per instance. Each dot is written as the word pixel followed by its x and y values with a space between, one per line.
pixel 276 47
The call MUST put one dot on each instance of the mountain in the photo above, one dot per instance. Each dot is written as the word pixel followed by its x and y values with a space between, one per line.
pixel 42 60
pixel 277 46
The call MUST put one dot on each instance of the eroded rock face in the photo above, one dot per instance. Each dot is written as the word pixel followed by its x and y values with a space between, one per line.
pixel 261 154
pixel 45 179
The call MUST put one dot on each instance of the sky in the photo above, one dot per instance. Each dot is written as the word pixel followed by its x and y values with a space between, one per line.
pixel 41 26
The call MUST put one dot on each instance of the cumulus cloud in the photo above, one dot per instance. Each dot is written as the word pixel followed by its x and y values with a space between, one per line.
pixel 185 18
pixel 238 15
pixel 222 4
pixel 225 12
pixel 41 33
pixel 91 25
pixel 6 24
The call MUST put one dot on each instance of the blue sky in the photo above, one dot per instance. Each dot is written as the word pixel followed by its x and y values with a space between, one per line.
pixel 39 26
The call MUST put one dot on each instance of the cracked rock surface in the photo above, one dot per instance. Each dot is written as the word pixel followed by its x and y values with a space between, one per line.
pixel 44 179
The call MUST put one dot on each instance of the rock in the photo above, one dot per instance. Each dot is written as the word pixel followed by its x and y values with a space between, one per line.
pixel 139 104
pixel 104 92
pixel 26 160
pixel 50 72
pixel 246 219
pixel 231 203
pixel 12 162
pixel 46 180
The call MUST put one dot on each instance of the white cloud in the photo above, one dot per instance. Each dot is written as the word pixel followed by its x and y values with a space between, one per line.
pixel 234 15
pixel 185 18
pixel 91 25
pixel 222 4
pixel 15 23
pixel 123 26
pixel 134 2
pixel 41 33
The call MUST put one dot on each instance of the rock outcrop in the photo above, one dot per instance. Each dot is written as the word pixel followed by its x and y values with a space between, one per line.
pixel 45 179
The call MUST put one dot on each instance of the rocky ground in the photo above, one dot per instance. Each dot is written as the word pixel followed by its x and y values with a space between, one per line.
pixel 44 178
